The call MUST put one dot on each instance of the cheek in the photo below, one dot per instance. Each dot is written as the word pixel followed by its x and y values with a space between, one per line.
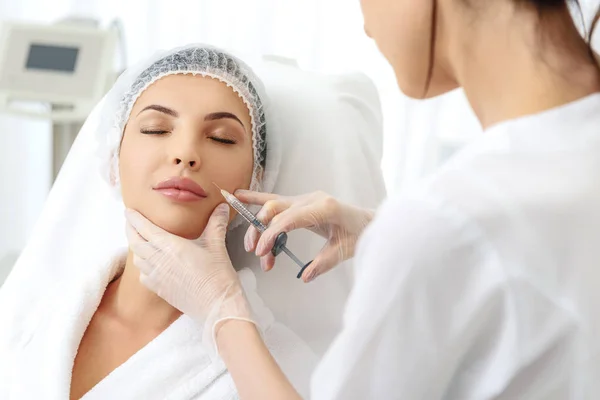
pixel 232 171
pixel 135 166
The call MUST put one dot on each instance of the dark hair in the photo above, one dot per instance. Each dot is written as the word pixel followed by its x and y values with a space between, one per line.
pixel 542 7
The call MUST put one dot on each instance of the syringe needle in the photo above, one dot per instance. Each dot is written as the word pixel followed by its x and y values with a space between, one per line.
pixel 224 193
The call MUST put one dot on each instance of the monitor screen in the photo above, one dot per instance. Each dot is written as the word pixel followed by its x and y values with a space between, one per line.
pixel 52 58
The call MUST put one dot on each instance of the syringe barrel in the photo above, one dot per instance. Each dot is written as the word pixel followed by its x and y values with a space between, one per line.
pixel 245 213
pixel 281 239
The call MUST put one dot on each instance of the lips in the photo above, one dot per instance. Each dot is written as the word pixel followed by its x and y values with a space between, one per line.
pixel 181 189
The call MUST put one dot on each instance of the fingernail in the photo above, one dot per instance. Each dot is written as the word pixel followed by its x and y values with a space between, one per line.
pixel 263 264
pixel 246 244
pixel 260 248
pixel 311 276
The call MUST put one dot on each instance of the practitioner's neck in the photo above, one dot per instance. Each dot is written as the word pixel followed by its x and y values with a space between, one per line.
pixel 133 303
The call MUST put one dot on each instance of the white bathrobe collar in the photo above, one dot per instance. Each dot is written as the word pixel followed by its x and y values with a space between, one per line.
pixel 45 359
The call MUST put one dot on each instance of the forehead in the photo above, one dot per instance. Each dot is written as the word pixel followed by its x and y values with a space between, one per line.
pixel 192 94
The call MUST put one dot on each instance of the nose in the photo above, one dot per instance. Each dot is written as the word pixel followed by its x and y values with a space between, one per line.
pixel 188 162
pixel 185 153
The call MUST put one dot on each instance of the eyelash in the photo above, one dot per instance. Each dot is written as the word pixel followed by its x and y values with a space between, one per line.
pixel 221 140
pixel 153 132
pixel 216 139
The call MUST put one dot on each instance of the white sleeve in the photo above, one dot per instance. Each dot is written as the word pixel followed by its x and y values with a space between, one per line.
pixel 428 295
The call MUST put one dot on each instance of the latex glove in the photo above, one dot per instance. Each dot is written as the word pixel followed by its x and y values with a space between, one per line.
pixel 341 224
pixel 194 276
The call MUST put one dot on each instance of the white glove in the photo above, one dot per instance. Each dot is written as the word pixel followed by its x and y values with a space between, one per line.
pixel 341 224
pixel 196 277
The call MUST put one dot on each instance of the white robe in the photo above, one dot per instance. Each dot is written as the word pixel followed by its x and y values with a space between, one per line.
pixel 485 284
pixel 39 361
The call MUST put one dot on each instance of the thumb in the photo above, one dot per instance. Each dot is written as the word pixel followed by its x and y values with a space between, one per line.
pixel 216 228
pixel 327 259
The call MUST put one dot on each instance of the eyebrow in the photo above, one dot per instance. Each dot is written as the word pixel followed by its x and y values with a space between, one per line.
pixel 162 109
pixel 223 115
pixel 209 117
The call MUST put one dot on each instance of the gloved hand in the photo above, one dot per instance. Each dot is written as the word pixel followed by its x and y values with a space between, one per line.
pixel 341 224
pixel 196 277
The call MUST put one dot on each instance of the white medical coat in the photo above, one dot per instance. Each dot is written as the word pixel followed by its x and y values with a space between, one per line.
pixel 484 284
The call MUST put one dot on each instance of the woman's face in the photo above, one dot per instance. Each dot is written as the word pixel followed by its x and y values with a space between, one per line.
pixel 403 31
pixel 183 130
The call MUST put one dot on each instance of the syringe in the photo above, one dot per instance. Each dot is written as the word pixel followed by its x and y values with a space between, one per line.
pixel 280 242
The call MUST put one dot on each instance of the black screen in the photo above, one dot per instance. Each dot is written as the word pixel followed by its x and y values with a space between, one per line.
pixel 52 58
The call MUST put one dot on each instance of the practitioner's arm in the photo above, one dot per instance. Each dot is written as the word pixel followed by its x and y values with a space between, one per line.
pixel 253 369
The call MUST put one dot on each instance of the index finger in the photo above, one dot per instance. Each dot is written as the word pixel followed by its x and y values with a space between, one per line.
pixel 287 221
pixel 256 198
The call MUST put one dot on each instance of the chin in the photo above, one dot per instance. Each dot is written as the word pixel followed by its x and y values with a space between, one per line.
pixel 184 224
pixel 418 92
pixel 414 86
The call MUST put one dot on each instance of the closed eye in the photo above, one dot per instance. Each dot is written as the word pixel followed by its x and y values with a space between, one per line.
pixel 221 140
pixel 153 132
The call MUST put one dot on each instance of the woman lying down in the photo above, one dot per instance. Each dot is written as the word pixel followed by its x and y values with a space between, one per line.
pixel 194 117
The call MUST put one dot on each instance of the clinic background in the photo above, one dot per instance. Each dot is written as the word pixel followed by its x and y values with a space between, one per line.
pixel 321 35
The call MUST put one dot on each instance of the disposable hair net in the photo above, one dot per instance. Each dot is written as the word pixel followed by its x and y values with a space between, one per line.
pixel 323 133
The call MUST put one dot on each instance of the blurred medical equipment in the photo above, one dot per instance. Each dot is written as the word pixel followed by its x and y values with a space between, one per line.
pixel 280 242
pixel 57 72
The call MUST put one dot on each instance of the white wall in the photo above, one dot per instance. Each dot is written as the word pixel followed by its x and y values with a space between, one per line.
pixel 25 161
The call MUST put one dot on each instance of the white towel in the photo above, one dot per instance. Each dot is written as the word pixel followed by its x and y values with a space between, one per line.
pixel 174 365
